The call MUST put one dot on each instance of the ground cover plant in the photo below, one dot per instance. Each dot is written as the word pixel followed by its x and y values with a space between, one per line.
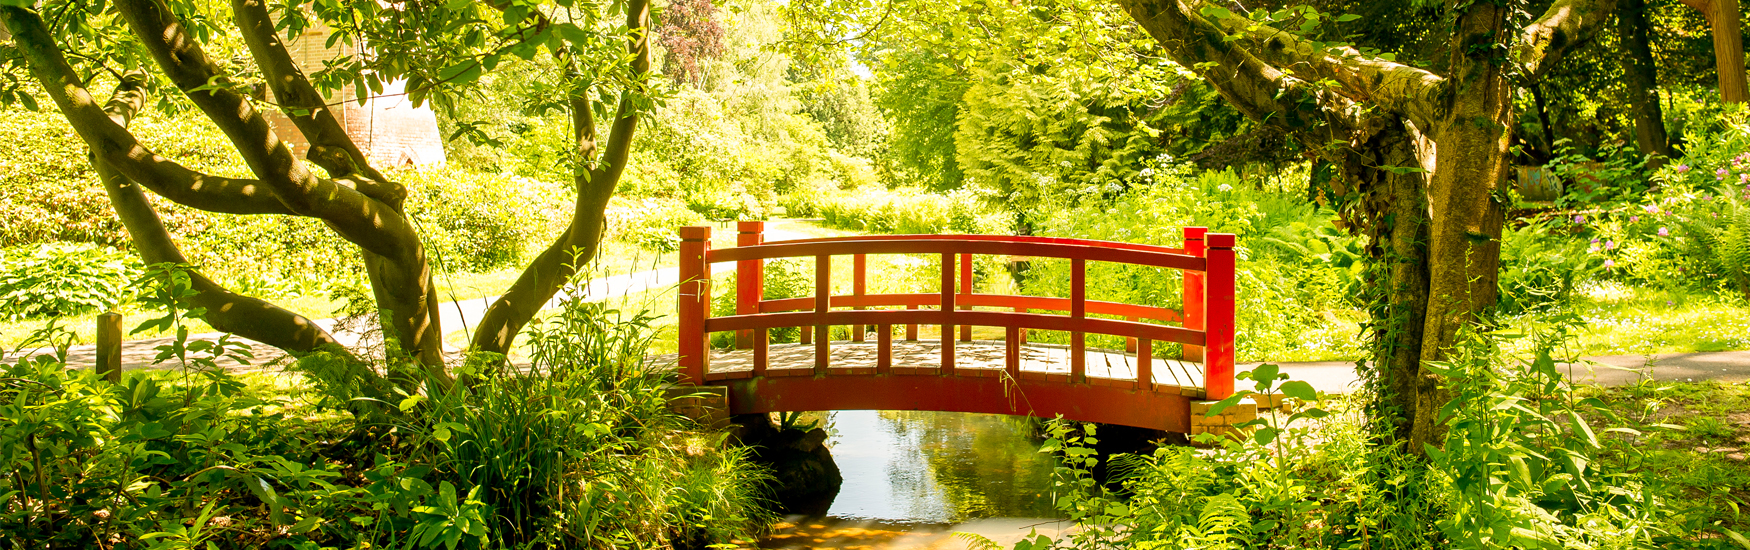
pixel 522 458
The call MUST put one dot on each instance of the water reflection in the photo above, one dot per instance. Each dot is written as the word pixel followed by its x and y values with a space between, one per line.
pixel 914 477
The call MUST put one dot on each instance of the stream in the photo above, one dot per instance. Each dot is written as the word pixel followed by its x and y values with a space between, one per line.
pixel 914 478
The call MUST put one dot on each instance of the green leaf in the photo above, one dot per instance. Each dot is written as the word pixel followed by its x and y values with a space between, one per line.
pixel 1299 389
pixel 1222 405
pixel 269 497
pixel 1347 17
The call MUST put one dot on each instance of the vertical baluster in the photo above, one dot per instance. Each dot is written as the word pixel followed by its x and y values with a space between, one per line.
pixel 911 330
pixel 1130 343
pixel 1012 352
pixel 1078 310
pixel 858 287
pixel 884 356
pixel 947 313
pixel 1192 296
pixel 1145 364
pixel 966 290
pixel 694 303
pixel 1218 344
pixel 1023 338
pixel 822 304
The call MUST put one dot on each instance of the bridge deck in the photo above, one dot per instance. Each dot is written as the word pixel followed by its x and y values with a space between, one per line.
pixel 975 358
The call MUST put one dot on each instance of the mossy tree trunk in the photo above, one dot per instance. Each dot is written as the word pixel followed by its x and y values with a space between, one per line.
pixel 1420 156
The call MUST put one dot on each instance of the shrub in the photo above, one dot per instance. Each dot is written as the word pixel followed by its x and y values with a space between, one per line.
pixel 904 211
pixel 651 223
pixel 58 280
pixel 580 451
pixel 480 222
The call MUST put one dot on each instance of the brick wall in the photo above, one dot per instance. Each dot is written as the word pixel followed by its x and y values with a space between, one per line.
pixel 387 127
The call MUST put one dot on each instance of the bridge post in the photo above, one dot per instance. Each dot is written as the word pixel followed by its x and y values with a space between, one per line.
pixel 966 291
pixel 947 313
pixel 859 285
pixel 1218 362
pixel 1078 310
pixel 694 303
pixel 750 279
pixel 1192 295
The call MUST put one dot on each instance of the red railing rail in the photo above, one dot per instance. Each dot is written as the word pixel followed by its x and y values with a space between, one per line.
pixel 1205 327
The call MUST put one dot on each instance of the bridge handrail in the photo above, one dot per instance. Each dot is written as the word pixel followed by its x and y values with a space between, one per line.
pixel 1207 317
pixel 1007 238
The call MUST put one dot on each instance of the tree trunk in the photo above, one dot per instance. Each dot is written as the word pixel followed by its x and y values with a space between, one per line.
pixel 1643 81
pixel 1722 16
pixel 1729 51
pixel 1464 252
pixel 595 180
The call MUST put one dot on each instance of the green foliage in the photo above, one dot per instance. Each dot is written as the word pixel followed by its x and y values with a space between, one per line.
pixel 1296 270
pixel 480 222
pixel 784 278
pixel 902 211
pixel 579 451
pixel 57 280
pixel 1527 462
pixel 1540 270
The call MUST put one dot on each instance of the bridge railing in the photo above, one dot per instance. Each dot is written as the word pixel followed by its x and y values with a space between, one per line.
pixel 1205 327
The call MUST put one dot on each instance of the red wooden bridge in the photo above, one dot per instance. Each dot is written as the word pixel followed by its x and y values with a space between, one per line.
pixel 1130 387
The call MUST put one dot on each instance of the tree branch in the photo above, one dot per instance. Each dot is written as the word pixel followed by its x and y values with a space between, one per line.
pixel 374 226
pixel 1566 25
pixel 227 311
pixel 1256 88
pixel 595 184
pixel 330 146
pixel 116 146
pixel 1399 89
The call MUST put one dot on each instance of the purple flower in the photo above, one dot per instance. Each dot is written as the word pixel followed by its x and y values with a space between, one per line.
pixel 1594 240
pixel 1634 218
pixel 1592 249
pixel 1579 219
pixel 1651 208
pixel 1668 302
pixel 1720 174
pixel 1664 232
pixel 1610 245
pixel 1609 263
pixel 1681 168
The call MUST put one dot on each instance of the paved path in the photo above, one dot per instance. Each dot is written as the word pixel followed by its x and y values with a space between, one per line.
pixel 1610 370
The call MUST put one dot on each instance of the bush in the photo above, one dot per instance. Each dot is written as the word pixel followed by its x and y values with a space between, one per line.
pixel 580 451
pixel 903 211
pixel 1525 463
pixel 650 223
pixel 481 222
pixel 58 280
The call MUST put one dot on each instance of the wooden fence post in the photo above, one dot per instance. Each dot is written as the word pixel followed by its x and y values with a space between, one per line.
pixel 1218 352
pixel 109 346
pixel 750 279
pixel 694 303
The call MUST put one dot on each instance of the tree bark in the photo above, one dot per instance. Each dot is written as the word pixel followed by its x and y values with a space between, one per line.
pixel 1722 16
pixel 394 256
pixel 595 180
pixel 1643 81
pixel 227 311
pixel 1421 153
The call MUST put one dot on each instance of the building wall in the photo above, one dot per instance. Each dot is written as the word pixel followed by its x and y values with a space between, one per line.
pixel 387 127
